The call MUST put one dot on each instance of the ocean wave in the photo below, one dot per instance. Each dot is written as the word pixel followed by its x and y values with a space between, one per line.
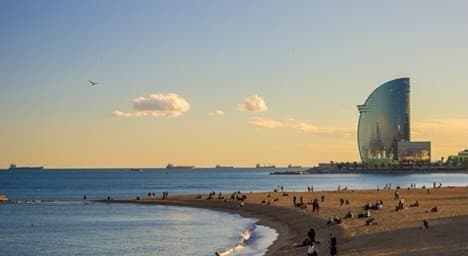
pixel 244 237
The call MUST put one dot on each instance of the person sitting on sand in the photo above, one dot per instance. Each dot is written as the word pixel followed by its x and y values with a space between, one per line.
pixel 416 204
pixel 365 214
pixel 400 206
pixel 349 215
pixel 370 222
pixel 434 209
pixel 367 206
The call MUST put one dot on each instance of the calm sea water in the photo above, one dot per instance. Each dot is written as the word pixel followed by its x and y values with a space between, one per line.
pixel 57 223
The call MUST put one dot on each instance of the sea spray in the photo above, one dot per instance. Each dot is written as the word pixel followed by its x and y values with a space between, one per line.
pixel 244 237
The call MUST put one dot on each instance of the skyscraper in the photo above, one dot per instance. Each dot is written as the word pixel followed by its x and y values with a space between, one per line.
pixel 384 121
pixel 384 126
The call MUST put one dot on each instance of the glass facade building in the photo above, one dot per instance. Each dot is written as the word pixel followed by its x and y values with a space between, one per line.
pixel 384 121
pixel 414 151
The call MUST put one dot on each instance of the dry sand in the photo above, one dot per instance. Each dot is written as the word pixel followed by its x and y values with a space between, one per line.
pixel 395 233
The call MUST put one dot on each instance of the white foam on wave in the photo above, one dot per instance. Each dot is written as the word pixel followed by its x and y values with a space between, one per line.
pixel 253 240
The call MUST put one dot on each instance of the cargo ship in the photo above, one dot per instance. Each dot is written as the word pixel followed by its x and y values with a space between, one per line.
pixel 3 198
pixel 14 167
pixel 171 166
pixel 265 166
pixel 224 167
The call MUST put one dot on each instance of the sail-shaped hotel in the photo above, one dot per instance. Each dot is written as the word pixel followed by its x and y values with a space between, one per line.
pixel 384 126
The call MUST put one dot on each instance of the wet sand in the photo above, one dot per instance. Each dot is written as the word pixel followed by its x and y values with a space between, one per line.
pixel 395 232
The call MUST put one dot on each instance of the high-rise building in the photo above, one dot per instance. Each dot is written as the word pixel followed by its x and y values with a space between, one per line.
pixel 384 122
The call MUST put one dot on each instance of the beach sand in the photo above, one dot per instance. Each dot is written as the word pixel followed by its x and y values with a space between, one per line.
pixel 395 232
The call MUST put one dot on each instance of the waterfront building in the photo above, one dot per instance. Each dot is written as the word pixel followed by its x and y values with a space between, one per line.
pixel 384 125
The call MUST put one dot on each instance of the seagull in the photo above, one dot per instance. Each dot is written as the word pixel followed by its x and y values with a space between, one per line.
pixel 93 83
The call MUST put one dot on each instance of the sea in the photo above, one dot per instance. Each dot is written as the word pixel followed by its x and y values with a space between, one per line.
pixel 48 217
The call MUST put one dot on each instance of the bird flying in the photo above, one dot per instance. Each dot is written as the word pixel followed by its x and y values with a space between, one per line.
pixel 93 83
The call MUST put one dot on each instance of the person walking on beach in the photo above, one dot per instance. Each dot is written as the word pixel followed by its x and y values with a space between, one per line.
pixel 311 234
pixel 294 201
pixel 333 249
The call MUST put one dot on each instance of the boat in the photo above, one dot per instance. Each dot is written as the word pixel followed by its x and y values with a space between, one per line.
pixel 3 198
pixel 171 166
pixel 136 169
pixel 294 166
pixel 223 167
pixel 265 166
pixel 14 167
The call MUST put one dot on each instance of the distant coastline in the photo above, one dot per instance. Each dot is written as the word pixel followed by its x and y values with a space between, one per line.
pixel 317 170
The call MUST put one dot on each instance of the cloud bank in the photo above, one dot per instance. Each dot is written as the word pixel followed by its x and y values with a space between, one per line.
pixel 448 136
pixel 216 113
pixel 159 104
pixel 300 126
pixel 253 103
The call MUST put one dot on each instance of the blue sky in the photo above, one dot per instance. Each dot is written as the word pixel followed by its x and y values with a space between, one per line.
pixel 309 60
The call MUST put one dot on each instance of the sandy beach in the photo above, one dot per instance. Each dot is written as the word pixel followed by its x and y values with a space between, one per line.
pixel 392 233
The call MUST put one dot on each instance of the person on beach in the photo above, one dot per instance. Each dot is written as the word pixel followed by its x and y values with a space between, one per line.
pixel 84 197
pixel 294 201
pixel 311 234
pixel 313 249
pixel 333 249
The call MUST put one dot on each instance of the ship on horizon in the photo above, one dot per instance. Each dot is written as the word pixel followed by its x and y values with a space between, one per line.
pixel 265 166
pixel 14 167
pixel 171 166
pixel 224 167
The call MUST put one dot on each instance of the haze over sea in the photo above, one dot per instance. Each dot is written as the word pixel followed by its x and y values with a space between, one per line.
pixel 57 222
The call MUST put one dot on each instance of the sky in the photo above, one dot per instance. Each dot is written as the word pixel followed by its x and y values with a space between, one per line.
pixel 221 82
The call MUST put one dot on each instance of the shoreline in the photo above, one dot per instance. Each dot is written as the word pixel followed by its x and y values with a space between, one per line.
pixel 286 234
pixel 396 233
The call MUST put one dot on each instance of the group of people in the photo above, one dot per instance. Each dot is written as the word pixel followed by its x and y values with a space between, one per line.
pixel 378 205
pixel 212 194
pixel 310 188
pixel 313 244
pixel 299 204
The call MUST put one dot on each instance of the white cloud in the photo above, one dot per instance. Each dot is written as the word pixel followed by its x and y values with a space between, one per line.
pixel 166 105
pixel 266 123
pixel 216 113
pixel 253 103
pixel 300 126
pixel 447 136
